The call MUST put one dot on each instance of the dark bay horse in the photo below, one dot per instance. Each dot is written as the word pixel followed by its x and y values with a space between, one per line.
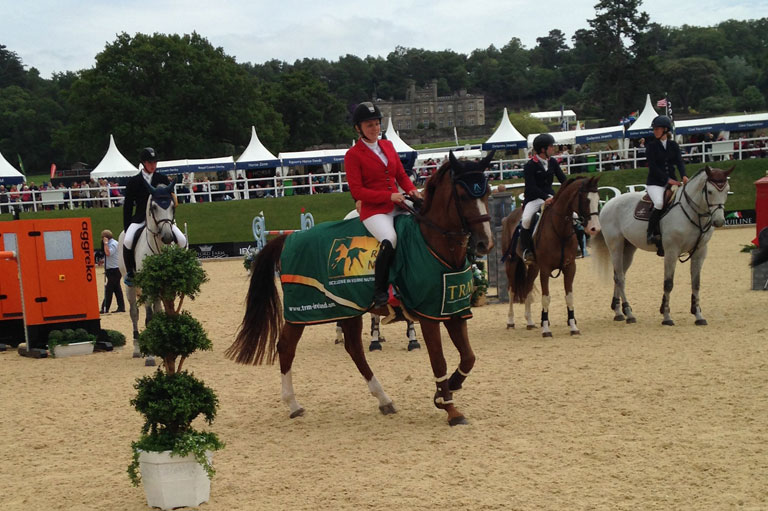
pixel 686 227
pixel 454 214
pixel 556 247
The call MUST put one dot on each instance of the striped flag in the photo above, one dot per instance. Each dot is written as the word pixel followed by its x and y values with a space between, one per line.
pixel 662 103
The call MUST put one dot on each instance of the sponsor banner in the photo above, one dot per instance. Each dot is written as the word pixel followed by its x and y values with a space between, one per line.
pixel 219 250
pixel 742 217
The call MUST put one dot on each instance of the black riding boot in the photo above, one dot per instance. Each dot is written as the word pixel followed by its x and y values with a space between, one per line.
pixel 383 262
pixel 130 265
pixel 526 244
pixel 654 232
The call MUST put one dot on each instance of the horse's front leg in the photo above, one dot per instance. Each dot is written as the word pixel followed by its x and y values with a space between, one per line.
pixel 376 338
pixel 569 272
pixel 697 261
pixel 529 324
pixel 545 298
pixel 410 332
pixel 443 398
pixel 457 330
pixel 133 310
pixel 286 350
pixel 670 260
pixel 149 310
pixel 353 343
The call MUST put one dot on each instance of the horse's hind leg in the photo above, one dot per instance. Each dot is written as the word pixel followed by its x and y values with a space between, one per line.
pixel 443 398
pixel 568 274
pixel 545 299
pixel 286 350
pixel 376 338
pixel 529 324
pixel 410 332
pixel 621 257
pixel 133 310
pixel 353 343
pixel 697 261
pixel 670 260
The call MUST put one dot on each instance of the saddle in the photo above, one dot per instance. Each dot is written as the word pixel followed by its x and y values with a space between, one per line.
pixel 645 205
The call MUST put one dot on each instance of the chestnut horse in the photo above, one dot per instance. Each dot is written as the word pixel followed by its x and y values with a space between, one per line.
pixel 556 247
pixel 454 214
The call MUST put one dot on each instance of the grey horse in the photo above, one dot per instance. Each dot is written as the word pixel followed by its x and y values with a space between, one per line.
pixel 687 225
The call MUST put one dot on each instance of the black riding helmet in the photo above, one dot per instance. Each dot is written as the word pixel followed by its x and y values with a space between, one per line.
pixel 542 141
pixel 148 154
pixel 661 121
pixel 365 111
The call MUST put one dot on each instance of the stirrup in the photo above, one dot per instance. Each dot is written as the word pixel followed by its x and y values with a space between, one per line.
pixel 528 256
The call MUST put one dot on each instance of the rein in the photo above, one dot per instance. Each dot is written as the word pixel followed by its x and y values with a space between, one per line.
pixel 158 225
pixel 703 227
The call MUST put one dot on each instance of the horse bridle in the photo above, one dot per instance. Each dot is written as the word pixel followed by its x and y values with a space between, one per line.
pixel 711 209
pixel 158 223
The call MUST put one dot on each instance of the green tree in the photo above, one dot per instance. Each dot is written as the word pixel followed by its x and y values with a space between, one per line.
pixel 751 99
pixel 11 69
pixel 690 80
pixel 178 94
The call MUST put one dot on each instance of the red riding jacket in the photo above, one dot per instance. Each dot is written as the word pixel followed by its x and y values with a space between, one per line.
pixel 371 182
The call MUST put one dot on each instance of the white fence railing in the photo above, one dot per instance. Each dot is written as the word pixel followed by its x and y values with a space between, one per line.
pixel 331 182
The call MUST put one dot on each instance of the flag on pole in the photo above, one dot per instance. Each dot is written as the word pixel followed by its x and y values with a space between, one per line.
pixel 455 135
pixel 53 170
pixel 662 103
pixel 21 165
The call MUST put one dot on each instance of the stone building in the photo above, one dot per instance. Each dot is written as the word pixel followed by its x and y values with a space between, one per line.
pixel 423 108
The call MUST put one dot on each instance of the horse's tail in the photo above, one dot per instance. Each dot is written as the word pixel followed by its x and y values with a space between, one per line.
pixel 602 257
pixel 520 287
pixel 760 256
pixel 263 320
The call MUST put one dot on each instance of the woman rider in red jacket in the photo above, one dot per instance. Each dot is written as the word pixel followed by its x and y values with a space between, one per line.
pixel 373 172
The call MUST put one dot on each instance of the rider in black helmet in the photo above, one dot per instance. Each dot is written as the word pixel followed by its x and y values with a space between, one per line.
pixel 539 173
pixel 663 155
pixel 135 208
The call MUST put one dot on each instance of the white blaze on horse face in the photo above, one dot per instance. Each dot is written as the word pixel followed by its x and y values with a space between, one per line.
pixel 593 224
pixel 483 209
pixel 715 198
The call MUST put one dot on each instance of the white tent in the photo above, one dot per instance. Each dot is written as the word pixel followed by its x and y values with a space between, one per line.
pixel 554 115
pixel 114 164
pixel 442 154
pixel 256 156
pixel 505 136
pixel 8 174
pixel 221 164
pixel 401 147
pixel 642 125
pixel 745 122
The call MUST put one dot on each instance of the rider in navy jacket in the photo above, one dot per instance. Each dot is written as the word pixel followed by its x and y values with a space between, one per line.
pixel 663 155
pixel 539 172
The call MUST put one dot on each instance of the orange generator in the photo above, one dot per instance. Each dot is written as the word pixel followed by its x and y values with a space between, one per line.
pixel 58 279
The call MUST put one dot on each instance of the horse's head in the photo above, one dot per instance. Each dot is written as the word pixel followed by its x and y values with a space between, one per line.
pixel 456 202
pixel 716 192
pixel 161 211
pixel 589 204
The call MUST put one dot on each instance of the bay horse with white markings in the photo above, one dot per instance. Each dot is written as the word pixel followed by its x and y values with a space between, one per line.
pixel 454 214
pixel 556 247
pixel 687 225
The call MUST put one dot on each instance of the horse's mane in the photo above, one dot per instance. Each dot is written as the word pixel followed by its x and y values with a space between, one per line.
pixel 431 186
pixel 567 187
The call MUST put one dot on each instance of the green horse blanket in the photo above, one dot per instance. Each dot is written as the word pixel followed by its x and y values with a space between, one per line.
pixel 327 274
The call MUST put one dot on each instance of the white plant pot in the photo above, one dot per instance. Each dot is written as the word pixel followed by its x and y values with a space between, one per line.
pixel 70 350
pixel 173 481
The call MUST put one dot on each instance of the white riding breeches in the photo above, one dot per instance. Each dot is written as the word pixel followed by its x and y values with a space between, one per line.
pixel 130 234
pixel 656 194
pixel 382 226
pixel 529 211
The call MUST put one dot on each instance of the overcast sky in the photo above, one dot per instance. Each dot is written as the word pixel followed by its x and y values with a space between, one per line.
pixel 66 35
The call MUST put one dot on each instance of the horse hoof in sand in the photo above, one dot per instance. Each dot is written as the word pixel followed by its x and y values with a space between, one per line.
pixel 631 321
pixel 701 322
pixel 150 362
pixel 458 421
pixel 375 346
pixel 388 409
pixel 668 322
pixel 297 413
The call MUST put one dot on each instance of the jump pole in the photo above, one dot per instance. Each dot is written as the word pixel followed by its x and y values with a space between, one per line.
pixel 12 255
pixel 260 232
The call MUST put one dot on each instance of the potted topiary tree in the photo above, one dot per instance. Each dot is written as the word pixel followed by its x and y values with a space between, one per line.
pixel 171 458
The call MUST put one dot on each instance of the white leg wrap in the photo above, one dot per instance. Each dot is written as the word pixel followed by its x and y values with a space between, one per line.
pixel 462 372
pixel 378 392
pixel 287 395
pixel 545 327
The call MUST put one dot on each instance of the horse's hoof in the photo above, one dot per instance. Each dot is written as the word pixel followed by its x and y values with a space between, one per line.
pixel 375 346
pixel 618 317
pixel 297 413
pixel 387 409
pixel 575 332
pixel 530 327
pixel 631 321
pixel 510 326
pixel 136 355
pixel 338 341
pixel 150 362
pixel 414 345
pixel 701 322
pixel 546 334
pixel 135 336
pixel 668 322
pixel 458 421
